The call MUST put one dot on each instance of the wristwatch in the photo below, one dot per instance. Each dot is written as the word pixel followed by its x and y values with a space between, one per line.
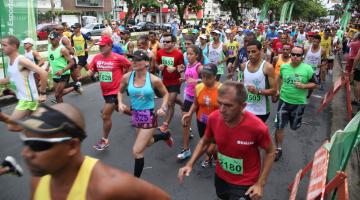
pixel 259 92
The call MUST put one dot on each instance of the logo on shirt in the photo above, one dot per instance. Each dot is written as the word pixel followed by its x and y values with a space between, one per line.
pixel 248 143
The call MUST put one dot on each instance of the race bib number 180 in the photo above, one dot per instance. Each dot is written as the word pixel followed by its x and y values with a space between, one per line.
pixel 105 76
pixel 229 164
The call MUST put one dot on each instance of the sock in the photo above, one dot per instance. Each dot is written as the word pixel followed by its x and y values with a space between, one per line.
pixel 161 136
pixel 139 166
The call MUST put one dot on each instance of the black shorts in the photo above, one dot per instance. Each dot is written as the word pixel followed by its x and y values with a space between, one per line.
pixel 263 117
pixel 201 128
pixel 74 65
pixel 82 60
pixel 228 191
pixel 357 75
pixel 230 60
pixel 289 112
pixel 111 99
pixel 187 105
pixel 63 78
pixel 330 60
pixel 173 88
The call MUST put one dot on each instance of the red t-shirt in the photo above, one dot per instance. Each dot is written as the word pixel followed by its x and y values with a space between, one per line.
pixel 354 48
pixel 240 142
pixel 173 59
pixel 277 46
pixel 111 70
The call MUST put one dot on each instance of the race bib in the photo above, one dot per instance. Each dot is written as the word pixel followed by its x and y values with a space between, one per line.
pixel 105 76
pixel 221 69
pixel 254 98
pixel 167 61
pixel 141 117
pixel 79 48
pixel 203 118
pixel 232 165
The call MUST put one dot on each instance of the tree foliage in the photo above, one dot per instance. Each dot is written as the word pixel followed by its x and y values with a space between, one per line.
pixel 181 6
pixel 134 9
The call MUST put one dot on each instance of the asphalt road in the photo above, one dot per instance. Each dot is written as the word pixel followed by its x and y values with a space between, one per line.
pixel 161 165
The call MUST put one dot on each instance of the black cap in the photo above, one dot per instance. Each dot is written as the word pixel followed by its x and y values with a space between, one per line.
pixel 140 55
pixel 47 121
pixel 210 69
pixel 77 25
pixel 53 35
pixel 126 32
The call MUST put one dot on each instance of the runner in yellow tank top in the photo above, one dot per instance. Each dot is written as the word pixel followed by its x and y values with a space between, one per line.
pixel 60 171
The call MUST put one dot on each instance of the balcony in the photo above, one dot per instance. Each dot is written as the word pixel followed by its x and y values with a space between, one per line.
pixel 89 3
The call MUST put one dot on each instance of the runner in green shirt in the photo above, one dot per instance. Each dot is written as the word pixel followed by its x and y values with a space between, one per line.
pixel 294 80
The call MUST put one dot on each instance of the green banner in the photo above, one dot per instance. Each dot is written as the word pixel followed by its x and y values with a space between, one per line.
pixel 346 17
pixel 18 18
pixel 341 146
pixel 264 11
pixel 290 12
pixel 284 11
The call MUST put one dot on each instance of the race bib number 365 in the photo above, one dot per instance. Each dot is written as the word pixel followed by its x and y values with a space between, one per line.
pixel 105 76
pixel 229 164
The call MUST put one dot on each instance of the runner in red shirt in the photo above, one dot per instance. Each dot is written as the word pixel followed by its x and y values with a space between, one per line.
pixel 238 135
pixel 170 62
pixel 111 67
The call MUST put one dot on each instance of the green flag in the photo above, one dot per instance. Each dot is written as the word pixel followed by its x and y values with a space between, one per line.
pixel 264 11
pixel 290 12
pixel 18 19
pixel 346 17
pixel 284 11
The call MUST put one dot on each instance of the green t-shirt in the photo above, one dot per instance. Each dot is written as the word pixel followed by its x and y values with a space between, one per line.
pixel 57 61
pixel 289 74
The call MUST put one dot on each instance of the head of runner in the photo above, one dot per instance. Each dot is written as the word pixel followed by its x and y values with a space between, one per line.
pixel 105 44
pixel 10 44
pixel 169 42
pixel 297 54
pixel 316 39
pixel 77 27
pixel 208 74
pixel 254 51
pixel 141 60
pixel 54 38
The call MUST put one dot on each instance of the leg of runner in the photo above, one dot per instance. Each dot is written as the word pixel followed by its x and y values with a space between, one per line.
pixel 17 114
pixel 279 138
pixel 144 138
pixel 59 88
pixel 107 124
pixel 170 113
pixel 185 152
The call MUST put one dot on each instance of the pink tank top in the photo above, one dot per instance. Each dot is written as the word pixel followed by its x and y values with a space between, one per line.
pixel 191 73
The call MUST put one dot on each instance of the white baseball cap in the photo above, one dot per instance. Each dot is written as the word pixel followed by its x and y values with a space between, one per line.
pixel 28 40
pixel 203 37
pixel 227 31
pixel 216 31
pixel 240 29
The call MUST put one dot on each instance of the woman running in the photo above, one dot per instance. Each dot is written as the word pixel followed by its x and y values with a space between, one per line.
pixel 191 76
pixel 205 102
pixel 141 86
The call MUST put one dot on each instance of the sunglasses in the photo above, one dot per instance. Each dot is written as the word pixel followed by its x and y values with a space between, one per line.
pixel 41 144
pixel 296 55
pixel 166 41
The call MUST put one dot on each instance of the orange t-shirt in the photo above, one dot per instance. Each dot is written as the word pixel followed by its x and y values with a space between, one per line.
pixel 279 63
pixel 206 98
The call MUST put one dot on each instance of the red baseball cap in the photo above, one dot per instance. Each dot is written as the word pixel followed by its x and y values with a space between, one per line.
pixel 104 40
pixel 310 33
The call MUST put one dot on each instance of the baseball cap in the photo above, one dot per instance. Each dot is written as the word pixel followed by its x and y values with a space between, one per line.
pixel 216 31
pixel 227 31
pixel 139 55
pixel 203 27
pixel 104 40
pixel 311 33
pixel 280 31
pixel 28 40
pixel 53 35
pixel 77 25
pixel 47 121
pixel 203 36
pixel 240 29
pixel 125 32
pixel 184 31
pixel 210 69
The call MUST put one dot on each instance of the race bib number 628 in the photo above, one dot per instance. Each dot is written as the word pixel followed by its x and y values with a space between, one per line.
pixel 105 76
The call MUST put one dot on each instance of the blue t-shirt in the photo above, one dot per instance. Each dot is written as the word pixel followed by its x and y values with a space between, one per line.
pixel 117 49
pixel 271 35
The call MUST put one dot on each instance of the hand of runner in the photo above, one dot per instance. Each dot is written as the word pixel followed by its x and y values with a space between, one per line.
pixel 186 119
pixel 161 112
pixel 4 118
pixel 58 73
pixel 122 107
pixel 42 98
pixel 161 67
pixel 170 69
pixel 184 171
pixel 191 81
pixel 299 85
pixel 255 192
pixel 252 89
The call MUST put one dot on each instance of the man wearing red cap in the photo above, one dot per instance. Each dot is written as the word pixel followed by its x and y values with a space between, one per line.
pixel 111 67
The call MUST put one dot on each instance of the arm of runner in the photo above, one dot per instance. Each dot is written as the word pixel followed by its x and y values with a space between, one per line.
pixel 4 81
pixel 200 149
pixel 91 41
pixel 123 87
pixel 270 72
pixel 130 48
pixel 158 85
pixel 66 43
pixel 186 118
pixel 256 191
pixel 89 74
pixel 310 85
pixel 70 61
pixel 275 59
pixel 42 73
pixel 37 56
pixel 225 52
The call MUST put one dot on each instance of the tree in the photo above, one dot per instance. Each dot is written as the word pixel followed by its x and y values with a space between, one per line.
pixel 134 9
pixel 181 6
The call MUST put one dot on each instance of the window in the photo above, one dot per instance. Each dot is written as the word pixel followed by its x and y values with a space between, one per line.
pixel 90 3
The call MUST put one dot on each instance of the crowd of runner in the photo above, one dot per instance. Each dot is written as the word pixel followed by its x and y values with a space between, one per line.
pixel 231 75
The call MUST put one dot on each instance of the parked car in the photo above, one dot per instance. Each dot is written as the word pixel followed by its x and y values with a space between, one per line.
pixel 93 29
pixel 145 26
pixel 43 30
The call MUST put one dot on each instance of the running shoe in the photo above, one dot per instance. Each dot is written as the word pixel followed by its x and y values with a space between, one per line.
pixel 13 166
pixel 54 101
pixel 191 136
pixel 78 88
pixel 278 154
pixel 205 163
pixel 184 154
pixel 102 144
pixel 164 127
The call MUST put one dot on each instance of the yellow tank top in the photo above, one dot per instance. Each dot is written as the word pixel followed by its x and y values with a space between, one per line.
pixel 326 44
pixel 79 187
pixel 79 45
pixel 279 63
pixel 232 48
